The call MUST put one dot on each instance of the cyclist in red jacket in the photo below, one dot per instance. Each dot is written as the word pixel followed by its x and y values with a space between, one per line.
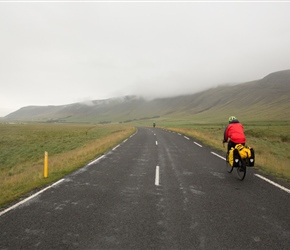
pixel 234 132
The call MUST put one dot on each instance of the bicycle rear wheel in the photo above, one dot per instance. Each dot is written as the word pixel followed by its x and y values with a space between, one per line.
pixel 242 169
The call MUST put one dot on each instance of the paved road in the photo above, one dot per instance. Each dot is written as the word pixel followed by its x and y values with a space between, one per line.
pixel 156 190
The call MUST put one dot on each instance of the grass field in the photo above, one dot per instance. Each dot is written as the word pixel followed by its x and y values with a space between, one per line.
pixel 69 147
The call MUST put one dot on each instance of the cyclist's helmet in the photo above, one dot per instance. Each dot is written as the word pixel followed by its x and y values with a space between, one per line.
pixel 232 118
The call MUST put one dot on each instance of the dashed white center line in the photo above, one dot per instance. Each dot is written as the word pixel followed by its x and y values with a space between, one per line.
pixel 156 142
pixel 157 176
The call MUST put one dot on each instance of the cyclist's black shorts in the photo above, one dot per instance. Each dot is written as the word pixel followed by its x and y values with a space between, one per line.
pixel 232 145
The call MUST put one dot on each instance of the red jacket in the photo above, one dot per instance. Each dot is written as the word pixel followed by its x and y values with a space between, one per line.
pixel 235 132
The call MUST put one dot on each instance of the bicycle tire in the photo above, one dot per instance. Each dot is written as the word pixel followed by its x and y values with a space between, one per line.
pixel 242 170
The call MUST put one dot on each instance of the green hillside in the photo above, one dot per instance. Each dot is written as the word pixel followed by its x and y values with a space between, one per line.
pixel 264 99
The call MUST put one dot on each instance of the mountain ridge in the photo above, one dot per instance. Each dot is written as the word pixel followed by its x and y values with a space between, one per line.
pixel 268 98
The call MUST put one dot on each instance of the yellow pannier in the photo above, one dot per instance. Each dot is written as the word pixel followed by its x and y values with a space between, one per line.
pixel 244 151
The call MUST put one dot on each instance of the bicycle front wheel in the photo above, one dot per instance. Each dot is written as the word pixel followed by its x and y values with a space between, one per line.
pixel 242 169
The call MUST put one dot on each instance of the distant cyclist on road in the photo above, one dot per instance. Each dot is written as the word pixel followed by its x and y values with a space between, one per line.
pixel 234 132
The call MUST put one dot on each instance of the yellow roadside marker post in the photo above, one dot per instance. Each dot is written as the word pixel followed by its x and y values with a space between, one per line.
pixel 45 170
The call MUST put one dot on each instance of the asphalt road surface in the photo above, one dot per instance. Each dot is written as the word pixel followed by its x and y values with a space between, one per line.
pixel 156 190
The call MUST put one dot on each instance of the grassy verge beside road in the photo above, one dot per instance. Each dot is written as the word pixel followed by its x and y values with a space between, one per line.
pixel 69 147
pixel 271 141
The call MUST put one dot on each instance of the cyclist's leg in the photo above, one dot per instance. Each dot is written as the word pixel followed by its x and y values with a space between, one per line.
pixel 231 145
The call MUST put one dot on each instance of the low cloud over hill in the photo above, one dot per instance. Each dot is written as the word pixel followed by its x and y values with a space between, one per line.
pixel 265 99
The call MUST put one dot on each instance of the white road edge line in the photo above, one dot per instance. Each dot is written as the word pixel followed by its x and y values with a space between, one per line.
pixel 116 147
pixel 261 177
pixel 96 160
pixel 186 138
pixel 61 180
pixel 197 144
pixel 157 176
pixel 30 197
pixel 218 155
pixel 273 183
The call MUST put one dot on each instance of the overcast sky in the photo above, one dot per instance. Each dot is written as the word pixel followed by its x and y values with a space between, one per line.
pixel 54 53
